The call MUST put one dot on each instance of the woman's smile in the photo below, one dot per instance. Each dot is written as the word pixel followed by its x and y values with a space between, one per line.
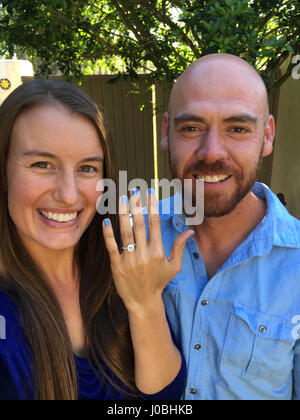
pixel 60 218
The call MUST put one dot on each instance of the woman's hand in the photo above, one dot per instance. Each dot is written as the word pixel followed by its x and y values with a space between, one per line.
pixel 141 276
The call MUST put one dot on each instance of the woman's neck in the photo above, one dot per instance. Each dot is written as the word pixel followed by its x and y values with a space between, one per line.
pixel 58 266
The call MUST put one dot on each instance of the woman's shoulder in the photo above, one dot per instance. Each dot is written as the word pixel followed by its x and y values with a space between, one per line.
pixel 10 327
pixel 15 362
pixel 8 308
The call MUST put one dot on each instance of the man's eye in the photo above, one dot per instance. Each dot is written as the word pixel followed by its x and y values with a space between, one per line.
pixel 41 165
pixel 190 129
pixel 239 130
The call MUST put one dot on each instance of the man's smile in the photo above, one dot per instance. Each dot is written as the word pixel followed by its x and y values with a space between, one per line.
pixel 212 179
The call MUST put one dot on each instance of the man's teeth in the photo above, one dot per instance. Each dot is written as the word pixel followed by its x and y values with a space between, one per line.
pixel 61 218
pixel 215 178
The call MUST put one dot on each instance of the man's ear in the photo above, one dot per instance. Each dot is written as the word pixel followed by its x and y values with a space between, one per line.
pixel 164 144
pixel 269 136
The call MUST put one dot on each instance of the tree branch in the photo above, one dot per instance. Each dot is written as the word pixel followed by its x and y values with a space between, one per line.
pixel 168 21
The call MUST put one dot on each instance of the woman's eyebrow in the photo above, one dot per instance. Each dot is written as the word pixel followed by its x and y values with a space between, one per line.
pixel 39 153
pixel 50 155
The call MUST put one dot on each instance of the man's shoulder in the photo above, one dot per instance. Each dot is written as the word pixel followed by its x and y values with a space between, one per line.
pixel 286 226
pixel 289 226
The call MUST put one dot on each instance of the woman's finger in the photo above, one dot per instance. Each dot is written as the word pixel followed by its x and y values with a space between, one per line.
pixel 154 221
pixel 139 227
pixel 125 225
pixel 110 242
pixel 176 254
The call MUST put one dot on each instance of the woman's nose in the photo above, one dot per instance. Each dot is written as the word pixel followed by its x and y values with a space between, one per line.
pixel 66 191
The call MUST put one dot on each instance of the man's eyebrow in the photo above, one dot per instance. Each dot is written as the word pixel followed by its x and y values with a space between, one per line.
pixel 188 117
pixel 242 118
pixel 40 153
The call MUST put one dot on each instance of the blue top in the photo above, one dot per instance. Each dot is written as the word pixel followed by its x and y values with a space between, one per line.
pixel 240 330
pixel 16 367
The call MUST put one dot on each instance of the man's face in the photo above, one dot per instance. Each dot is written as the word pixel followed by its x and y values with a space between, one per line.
pixel 217 130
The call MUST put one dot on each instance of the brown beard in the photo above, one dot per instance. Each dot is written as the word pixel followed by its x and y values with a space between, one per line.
pixel 217 205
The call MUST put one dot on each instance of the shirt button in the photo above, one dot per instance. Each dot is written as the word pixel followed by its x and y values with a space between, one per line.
pixel 262 329
pixel 196 256
pixel 204 303
pixel 197 346
pixel 193 391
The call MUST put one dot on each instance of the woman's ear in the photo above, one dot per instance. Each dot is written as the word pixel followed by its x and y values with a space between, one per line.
pixel 269 136
pixel 164 144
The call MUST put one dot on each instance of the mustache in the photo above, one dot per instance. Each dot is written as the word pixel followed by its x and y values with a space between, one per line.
pixel 204 168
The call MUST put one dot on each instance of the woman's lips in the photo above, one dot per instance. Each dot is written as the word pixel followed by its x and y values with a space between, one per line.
pixel 57 224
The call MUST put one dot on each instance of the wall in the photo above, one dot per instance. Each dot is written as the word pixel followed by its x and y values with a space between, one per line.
pixel 286 156
pixel 13 70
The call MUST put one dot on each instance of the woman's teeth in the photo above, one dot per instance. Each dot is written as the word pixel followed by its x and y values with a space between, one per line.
pixel 211 179
pixel 61 218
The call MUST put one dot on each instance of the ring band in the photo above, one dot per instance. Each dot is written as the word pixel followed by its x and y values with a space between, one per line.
pixel 129 248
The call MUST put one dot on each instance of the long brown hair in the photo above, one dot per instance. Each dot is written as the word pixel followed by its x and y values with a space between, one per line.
pixel 107 335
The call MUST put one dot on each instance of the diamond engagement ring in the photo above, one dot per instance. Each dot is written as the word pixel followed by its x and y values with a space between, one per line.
pixel 129 248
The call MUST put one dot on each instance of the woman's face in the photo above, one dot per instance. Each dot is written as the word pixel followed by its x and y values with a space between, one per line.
pixel 54 164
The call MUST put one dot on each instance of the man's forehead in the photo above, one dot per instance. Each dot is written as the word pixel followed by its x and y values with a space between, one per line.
pixel 222 67
pixel 218 80
pixel 215 106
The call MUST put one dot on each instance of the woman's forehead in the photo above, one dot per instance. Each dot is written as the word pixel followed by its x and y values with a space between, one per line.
pixel 55 129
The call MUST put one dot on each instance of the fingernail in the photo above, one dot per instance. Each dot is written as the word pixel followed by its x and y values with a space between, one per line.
pixel 151 191
pixel 124 200
pixel 135 191
pixel 107 222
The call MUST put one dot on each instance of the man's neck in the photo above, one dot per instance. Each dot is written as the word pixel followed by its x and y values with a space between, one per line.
pixel 218 237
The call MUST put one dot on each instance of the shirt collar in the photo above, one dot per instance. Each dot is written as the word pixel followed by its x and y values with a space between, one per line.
pixel 278 228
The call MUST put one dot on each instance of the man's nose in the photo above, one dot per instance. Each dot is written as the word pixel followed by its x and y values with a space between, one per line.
pixel 211 147
pixel 66 190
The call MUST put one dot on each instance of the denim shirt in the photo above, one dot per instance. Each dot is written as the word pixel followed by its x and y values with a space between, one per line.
pixel 240 330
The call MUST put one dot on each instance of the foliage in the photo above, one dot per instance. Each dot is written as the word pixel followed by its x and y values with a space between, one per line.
pixel 159 37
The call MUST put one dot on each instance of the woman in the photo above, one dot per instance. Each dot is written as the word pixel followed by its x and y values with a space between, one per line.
pixel 78 326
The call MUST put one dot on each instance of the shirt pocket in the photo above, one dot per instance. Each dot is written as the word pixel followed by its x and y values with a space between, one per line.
pixel 258 345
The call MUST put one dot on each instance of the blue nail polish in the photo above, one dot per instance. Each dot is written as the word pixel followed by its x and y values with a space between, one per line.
pixel 107 222
pixel 124 200
pixel 151 191
pixel 135 191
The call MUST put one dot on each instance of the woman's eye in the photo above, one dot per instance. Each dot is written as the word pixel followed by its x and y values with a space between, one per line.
pixel 41 165
pixel 88 169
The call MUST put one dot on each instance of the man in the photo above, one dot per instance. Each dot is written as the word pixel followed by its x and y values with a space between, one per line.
pixel 235 306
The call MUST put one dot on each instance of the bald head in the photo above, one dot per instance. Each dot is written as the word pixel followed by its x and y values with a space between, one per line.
pixel 223 74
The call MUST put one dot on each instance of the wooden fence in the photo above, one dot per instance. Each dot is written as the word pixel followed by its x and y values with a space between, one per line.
pixel 137 146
